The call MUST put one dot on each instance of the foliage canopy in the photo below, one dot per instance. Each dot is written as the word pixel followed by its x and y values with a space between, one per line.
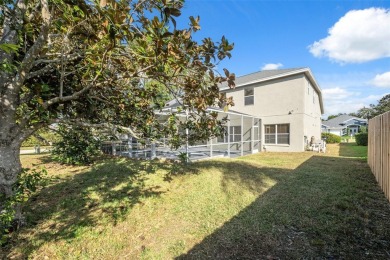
pixel 102 64
pixel 374 110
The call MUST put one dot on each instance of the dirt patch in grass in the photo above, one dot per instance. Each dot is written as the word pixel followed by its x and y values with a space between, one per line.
pixel 262 206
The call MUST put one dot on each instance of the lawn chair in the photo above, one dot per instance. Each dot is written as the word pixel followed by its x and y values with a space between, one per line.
pixel 318 146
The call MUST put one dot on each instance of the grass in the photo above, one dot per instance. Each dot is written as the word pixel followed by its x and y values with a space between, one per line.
pixel 267 205
pixel 348 139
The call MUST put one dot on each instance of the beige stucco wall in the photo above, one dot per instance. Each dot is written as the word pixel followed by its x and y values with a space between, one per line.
pixel 312 112
pixel 283 101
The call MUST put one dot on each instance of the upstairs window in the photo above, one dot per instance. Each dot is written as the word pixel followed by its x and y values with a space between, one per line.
pixel 249 96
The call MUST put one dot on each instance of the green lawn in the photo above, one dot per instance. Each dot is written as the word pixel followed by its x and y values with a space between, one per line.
pixel 267 205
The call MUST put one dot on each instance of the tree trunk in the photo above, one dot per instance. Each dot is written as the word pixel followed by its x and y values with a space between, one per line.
pixel 10 168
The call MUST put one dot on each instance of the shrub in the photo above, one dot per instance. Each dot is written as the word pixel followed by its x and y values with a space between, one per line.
pixel 78 146
pixel 28 182
pixel 363 129
pixel 361 139
pixel 331 138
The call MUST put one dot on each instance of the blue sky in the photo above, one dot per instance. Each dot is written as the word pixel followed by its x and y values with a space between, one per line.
pixel 351 62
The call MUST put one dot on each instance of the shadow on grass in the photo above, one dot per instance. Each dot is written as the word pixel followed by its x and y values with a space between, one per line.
pixel 110 189
pixel 107 191
pixel 327 208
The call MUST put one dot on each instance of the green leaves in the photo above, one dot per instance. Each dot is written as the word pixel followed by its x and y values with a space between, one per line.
pixel 127 61
pixel 78 146
pixel 224 49
pixel 195 23
pixel 9 48
pixel 27 183
pixel 172 12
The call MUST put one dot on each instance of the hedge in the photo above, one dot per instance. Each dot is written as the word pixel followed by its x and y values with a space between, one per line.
pixel 361 139
pixel 331 138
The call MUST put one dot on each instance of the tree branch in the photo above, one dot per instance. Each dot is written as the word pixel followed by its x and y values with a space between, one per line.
pixel 67 57
pixel 111 127
pixel 74 96
pixel 77 94
pixel 27 63
pixel 31 130
pixel 41 71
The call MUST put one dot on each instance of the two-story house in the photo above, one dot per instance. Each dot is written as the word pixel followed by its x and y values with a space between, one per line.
pixel 289 103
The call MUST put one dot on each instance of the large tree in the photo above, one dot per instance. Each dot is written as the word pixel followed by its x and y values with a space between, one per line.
pixel 383 106
pixel 101 63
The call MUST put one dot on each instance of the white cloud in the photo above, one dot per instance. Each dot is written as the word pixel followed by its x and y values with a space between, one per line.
pixel 359 36
pixel 272 66
pixel 336 93
pixel 341 100
pixel 382 80
pixel 338 100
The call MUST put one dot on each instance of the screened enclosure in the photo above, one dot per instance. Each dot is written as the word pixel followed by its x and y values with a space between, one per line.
pixel 242 136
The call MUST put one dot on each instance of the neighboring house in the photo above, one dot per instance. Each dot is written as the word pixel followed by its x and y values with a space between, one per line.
pixel 289 103
pixel 340 125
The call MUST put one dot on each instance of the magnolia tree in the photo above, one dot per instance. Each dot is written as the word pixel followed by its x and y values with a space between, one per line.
pixel 102 64
pixel 374 110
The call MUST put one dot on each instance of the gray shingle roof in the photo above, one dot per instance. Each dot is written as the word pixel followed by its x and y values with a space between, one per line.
pixel 338 121
pixel 259 75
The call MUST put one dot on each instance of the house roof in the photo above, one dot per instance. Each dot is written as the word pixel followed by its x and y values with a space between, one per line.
pixel 338 121
pixel 255 76
pixel 266 75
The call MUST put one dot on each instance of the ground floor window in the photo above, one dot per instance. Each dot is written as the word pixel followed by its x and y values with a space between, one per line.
pixel 277 134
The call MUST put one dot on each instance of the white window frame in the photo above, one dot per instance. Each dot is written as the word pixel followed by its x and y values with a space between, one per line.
pixel 276 134
pixel 247 97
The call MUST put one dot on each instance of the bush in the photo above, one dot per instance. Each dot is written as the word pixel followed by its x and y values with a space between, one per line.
pixel 28 182
pixel 331 138
pixel 363 129
pixel 361 139
pixel 78 146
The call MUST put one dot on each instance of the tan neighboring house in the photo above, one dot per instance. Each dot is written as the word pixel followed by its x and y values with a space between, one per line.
pixel 289 103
